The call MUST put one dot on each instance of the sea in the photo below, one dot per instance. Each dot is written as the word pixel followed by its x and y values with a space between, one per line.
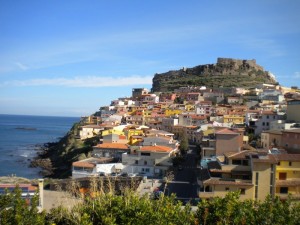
pixel 22 136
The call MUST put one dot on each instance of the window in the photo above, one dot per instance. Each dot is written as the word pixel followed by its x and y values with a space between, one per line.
pixel 267 123
pixel 284 190
pixel 145 153
pixel 243 191
pixel 278 163
pixel 136 161
pixel 145 162
pixel 227 189
pixel 245 162
pixel 267 117
pixel 290 163
pixel 263 123
pixel 282 176
pixel 236 162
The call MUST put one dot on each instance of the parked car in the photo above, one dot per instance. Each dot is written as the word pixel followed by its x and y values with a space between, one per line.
pixel 124 174
pixel 102 174
pixel 113 174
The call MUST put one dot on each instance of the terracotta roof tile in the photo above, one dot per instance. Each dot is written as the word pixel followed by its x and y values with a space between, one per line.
pixel 83 164
pixel 226 131
pixel 287 157
pixel 123 137
pixel 30 187
pixel 157 148
pixel 112 145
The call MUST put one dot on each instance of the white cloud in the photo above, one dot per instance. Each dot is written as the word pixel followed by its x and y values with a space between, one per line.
pixel 89 81
pixel 21 66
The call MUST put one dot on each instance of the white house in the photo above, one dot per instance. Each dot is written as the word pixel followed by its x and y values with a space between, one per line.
pixel 260 120
pixel 204 108
pixel 151 160
pixel 93 167
pixel 89 131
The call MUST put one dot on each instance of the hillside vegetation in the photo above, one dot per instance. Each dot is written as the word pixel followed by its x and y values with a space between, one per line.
pixel 56 159
pixel 225 73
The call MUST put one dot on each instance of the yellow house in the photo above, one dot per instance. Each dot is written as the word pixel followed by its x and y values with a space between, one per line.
pixel 234 119
pixel 132 131
pixel 172 112
pixel 208 131
pixel 114 130
pixel 288 175
pixel 250 172
pixel 189 107
pixel 165 106
pixel 134 139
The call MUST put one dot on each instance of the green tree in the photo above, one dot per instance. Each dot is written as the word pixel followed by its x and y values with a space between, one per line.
pixel 15 210
pixel 128 208
pixel 231 210
pixel 184 143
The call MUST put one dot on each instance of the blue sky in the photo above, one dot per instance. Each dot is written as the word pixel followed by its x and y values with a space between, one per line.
pixel 68 58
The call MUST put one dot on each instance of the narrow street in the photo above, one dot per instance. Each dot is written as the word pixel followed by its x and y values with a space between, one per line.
pixel 185 184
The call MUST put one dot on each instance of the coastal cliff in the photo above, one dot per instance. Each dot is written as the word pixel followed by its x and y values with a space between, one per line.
pixel 226 72
pixel 55 159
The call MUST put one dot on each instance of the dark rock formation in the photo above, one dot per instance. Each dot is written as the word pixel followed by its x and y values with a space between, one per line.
pixel 226 72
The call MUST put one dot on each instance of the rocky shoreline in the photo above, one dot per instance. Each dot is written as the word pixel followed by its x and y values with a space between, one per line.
pixel 55 158
pixel 42 161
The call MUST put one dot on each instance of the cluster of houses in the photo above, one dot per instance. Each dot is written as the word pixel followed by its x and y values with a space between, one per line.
pixel 249 138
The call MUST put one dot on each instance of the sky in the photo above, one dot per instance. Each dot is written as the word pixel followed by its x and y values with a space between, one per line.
pixel 69 58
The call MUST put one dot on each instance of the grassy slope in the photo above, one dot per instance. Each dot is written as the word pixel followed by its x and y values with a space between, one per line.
pixel 56 160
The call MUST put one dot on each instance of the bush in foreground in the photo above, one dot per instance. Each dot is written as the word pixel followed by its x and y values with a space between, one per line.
pixel 130 208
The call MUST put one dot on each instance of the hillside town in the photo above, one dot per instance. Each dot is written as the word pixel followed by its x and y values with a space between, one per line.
pixel 212 141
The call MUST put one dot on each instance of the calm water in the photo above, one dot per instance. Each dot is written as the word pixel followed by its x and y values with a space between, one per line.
pixel 19 137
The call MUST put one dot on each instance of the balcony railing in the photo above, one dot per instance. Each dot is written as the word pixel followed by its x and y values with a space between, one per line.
pixel 206 194
pixel 285 196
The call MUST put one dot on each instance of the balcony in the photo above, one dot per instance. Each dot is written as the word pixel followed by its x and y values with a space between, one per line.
pixel 205 195
pixel 236 168
pixel 80 174
pixel 295 182
pixel 286 196
pixel 286 169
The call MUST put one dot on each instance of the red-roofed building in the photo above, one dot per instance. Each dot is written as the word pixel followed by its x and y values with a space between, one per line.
pixel 150 160
pixel 110 150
